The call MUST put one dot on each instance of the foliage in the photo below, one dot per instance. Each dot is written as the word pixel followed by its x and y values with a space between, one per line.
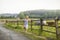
pixel 21 15
pixel 42 13
pixel 3 17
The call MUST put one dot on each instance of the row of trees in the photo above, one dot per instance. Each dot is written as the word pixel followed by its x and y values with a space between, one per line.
pixel 41 13
pixel 4 17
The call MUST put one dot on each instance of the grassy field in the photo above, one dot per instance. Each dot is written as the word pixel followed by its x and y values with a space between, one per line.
pixel 35 29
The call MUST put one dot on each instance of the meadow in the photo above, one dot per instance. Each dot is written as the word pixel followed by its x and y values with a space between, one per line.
pixel 48 31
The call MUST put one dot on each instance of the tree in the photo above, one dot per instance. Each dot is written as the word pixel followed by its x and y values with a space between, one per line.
pixel 21 15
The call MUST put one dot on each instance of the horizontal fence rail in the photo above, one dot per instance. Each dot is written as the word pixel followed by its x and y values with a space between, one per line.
pixel 51 24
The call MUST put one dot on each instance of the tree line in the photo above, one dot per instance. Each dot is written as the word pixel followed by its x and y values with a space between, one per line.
pixel 40 13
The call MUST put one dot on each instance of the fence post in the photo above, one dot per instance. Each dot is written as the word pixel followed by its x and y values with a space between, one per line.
pixel 41 26
pixel 6 21
pixel 31 25
pixel 56 26
pixel 17 22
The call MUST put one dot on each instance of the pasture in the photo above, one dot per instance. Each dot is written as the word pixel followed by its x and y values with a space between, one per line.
pixel 49 30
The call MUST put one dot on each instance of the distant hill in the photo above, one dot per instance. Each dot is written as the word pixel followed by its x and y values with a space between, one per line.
pixel 8 15
pixel 42 13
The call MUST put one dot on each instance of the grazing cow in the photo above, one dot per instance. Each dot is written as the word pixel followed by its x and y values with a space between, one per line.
pixel 51 23
pixel 39 23
pixel 44 22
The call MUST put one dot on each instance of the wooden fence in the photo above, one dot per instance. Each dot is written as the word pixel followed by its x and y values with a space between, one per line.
pixel 41 26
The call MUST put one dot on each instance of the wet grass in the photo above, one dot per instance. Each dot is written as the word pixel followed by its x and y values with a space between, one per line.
pixel 35 30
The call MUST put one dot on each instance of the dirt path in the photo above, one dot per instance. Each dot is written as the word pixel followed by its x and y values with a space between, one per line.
pixel 10 35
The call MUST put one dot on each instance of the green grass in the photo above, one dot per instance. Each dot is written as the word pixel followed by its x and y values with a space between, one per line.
pixel 21 30
pixel 35 30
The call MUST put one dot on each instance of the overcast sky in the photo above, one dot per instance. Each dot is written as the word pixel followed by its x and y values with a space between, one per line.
pixel 16 6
